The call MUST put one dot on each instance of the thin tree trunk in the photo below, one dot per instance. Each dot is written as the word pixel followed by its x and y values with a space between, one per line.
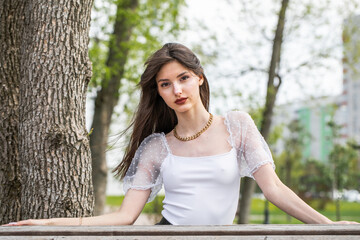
pixel 336 187
pixel 11 27
pixel 108 96
pixel 272 87
pixel 288 169
pixel 272 90
pixel 248 188
pixel 338 212
pixel 54 148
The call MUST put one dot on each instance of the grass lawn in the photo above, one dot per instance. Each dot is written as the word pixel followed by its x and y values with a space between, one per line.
pixel 349 211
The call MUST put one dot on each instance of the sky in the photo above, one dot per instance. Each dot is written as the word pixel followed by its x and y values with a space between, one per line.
pixel 241 31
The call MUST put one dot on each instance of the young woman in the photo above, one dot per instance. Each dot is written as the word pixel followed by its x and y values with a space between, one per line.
pixel 197 156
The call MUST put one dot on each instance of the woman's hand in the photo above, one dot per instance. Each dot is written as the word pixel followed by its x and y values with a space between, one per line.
pixel 129 211
pixel 345 222
pixel 30 222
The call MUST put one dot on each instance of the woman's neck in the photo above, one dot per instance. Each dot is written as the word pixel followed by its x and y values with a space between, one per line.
pixel 192 121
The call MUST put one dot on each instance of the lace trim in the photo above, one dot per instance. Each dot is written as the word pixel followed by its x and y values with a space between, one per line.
pixel 254 169
pixel 227 124
pixel 154 188
pixel 128 186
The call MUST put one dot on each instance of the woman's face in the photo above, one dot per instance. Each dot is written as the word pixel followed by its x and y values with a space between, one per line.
pixel 178 86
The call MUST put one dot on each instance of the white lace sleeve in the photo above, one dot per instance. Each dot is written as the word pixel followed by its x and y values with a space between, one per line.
pixel 144 171
pixel 252 150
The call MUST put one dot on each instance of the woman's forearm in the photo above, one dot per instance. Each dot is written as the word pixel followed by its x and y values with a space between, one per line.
pixel 129 211
pixel 284 198
pixel 289 202
pixel 115 218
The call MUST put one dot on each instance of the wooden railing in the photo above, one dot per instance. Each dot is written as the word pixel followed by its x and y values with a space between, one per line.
pixel 251 232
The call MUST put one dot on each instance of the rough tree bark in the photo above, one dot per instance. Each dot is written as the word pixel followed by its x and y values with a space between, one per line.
pixel 108 96
pixel 54 149
pixel 273 86
pixel 11 27
pixel 50 59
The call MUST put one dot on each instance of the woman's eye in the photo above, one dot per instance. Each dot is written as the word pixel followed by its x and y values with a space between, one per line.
pixel 164 84
pixel 184 77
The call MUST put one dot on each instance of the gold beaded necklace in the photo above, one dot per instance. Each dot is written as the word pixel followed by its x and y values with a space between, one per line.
pixel 196 135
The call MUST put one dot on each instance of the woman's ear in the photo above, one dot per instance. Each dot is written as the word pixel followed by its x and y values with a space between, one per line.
pixel 201 80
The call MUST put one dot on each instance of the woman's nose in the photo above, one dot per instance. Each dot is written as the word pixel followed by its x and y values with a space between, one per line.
pixel 177 89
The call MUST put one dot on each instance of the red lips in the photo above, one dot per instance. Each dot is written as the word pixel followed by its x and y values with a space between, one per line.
pixel 181 101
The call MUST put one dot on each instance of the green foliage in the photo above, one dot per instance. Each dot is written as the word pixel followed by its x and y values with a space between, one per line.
pixel 98 55
pixel 117 55
pixel 275 135
pixel 153 20
pixel 289 162
pixel 157 22
pixel 315 182
pixel 343 159
pixel 257 114
pixel 351 46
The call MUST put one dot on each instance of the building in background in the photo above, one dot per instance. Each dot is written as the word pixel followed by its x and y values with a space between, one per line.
pixel 315 114
pixel 351 79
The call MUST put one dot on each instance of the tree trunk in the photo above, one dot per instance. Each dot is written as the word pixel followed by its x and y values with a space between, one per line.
pixel 108 96
pixel 54 146
pixel 272 87
pixel 247 190
pixel 288 169
pixel 336 187
pixel 11 27
pixel 338 212
pixel 272 90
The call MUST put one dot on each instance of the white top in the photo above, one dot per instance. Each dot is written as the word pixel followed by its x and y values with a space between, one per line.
pixel 199 190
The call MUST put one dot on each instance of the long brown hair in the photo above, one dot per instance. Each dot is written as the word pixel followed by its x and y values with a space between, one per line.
pixel 152 114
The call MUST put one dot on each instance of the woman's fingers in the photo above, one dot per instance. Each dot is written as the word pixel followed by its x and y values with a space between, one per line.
pixel 10 224
pixel 28 222
pixel 346 222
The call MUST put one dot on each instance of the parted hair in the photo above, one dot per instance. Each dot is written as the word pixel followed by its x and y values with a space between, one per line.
pixel 152 114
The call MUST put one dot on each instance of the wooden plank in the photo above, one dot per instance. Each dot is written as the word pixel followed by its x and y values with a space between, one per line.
pixel 298 237
pixel 136 238
pixel 232 230
pixel 310 237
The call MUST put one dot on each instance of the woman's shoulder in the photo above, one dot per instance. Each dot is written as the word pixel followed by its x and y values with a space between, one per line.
pixel 155 141
pixel 154 138
pixel 237 116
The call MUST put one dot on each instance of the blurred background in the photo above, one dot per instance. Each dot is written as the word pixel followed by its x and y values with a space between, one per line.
pixel 315 126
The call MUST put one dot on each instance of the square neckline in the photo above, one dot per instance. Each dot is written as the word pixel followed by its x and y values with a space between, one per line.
pixel 207 156
pixel 229 140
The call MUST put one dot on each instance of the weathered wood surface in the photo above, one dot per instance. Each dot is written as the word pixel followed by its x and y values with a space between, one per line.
pixel 251 232
pixel 275 237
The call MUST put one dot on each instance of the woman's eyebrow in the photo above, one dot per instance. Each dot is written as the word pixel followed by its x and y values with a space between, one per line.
pixel 181 74
pixel 165 79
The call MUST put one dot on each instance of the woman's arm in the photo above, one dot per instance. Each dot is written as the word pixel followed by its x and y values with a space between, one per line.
pixel 284 198
pixel 129 211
